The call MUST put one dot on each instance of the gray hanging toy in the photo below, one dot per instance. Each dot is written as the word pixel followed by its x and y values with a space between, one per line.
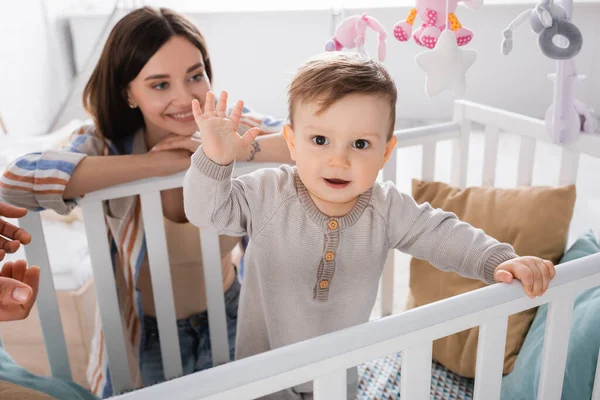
pixel 547 20
pixel 561 40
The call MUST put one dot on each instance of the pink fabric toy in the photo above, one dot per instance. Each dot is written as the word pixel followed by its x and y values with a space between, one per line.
pixel 432 14
pixel 350 33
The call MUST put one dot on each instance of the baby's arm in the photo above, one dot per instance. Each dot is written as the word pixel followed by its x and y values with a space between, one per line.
pixel 212 199
pixel 440 238
pixel 451 245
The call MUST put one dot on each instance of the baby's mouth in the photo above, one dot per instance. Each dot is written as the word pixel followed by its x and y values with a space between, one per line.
pixel 336 183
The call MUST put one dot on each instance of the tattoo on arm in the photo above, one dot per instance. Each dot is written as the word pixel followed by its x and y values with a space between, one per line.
pixel 255 149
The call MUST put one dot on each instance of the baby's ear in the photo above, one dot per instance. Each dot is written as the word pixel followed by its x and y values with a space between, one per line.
pixel 288 134
pixel 390 146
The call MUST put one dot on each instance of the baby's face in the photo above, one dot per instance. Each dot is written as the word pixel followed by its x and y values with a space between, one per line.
pixel 340 152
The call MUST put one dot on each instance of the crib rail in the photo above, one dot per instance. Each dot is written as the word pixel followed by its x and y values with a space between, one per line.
pixel 326 358
pixel 149 192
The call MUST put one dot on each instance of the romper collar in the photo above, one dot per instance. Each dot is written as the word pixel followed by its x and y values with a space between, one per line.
pixel 325 221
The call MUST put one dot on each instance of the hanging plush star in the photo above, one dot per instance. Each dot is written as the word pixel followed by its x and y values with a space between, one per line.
pixel 446 65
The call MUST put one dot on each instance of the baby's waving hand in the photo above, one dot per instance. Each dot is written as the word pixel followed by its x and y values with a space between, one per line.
pixel 220 140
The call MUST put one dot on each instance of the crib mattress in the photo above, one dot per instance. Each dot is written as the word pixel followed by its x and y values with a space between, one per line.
pixel 380 379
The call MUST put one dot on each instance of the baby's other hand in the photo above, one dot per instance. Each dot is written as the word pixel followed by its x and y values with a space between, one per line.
pixel 534 273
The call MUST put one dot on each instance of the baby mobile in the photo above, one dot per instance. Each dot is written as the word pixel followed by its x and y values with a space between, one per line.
pixel 445 63
pixel 558 39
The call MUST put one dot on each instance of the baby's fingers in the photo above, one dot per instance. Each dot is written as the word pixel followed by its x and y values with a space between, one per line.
pixel 250 135
pixel 197 111
pixel 551 269
pixel 545 275
pixel 209 105
pixel 222 105
pixel 236 113
pixel 527 278
pixel 503 276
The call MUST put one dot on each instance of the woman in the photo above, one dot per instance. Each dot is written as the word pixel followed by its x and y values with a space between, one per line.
pixel 154 63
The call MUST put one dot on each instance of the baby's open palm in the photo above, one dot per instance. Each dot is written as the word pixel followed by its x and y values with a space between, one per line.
pixel 220 140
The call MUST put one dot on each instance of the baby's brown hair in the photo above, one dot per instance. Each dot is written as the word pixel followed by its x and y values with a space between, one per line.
pixel 329 77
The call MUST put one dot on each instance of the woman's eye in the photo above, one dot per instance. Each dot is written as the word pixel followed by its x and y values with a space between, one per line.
pixel 360 144
pixel 197 77
pixel 161 86
pixel 320 140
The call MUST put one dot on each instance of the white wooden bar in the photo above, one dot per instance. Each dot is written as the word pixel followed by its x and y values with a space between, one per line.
pixel 556 341
pixel 215 301
pixel 490 155
pixel 106 291
pixel 569 165
pixel 162 287
pixel 288 366
pixel 460 149
pixel 415 378
pixel 490 359
pixel 526 160
pixel 428 163
pixel 596 392
pixel 157 184
pixel 417 141
pixel 47 304
pixel 388 275
pixel 426 132
pixel 535 128
pixel 331 387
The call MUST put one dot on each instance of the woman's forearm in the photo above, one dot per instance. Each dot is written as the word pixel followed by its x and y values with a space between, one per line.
pixel 267 148
pixel 98 172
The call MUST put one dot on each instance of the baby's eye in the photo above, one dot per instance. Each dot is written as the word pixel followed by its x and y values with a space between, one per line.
pixel 320 140
pixel 361 144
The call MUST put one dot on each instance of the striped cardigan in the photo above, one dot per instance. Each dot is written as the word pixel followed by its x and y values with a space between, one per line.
pixel 37 181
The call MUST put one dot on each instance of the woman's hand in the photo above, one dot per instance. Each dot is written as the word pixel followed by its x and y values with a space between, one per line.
pixel 178 142
pixel 169 162
pixel 18 290
pixel 11 236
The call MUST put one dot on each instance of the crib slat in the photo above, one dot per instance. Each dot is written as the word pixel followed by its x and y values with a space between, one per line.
pixel 415 380
pixel 428 163
pixel 490 359
pixel 556 341
pixel 331 387
pixel 387 284
pixel 460 149
pixel 106 291
pixel 215 301
pixel 526 159
pixel 162 287
pixel 387 277
pixel 54 337
pixel 490 156
pixel 569 164
pixel 596 392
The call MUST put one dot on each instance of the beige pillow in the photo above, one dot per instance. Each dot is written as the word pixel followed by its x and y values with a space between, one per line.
pixel 534 220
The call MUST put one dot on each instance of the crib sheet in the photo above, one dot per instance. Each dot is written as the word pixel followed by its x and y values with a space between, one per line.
pixel 380 380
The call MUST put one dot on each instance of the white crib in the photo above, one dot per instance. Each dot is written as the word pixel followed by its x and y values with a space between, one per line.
pixel 325 359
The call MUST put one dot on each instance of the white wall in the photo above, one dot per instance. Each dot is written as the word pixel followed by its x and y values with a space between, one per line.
pixel 34 68
pixel 255 54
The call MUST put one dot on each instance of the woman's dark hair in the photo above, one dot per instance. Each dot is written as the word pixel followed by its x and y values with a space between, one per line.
pixel 131 43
